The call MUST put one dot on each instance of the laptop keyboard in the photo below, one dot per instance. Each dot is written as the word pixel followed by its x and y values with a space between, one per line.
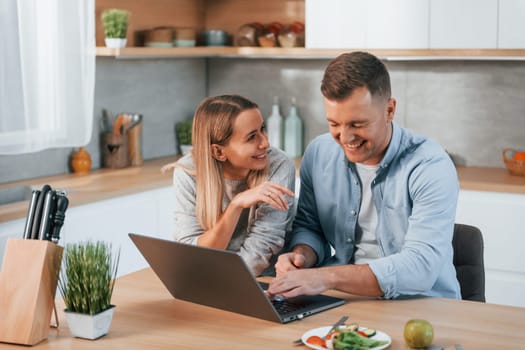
pixel 284 306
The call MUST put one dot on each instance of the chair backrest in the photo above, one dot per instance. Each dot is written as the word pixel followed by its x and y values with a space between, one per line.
pixel 468 260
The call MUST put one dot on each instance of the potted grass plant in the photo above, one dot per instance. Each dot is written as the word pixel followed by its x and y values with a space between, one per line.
pixel 86 283
pixel 183 130
pixel 115 22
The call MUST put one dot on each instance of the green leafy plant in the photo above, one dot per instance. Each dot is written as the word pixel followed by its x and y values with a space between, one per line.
pixel 88 276
pixel 115 23
pixel 183 129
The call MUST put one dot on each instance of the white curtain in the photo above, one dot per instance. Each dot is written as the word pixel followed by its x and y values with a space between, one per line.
pixel 47 74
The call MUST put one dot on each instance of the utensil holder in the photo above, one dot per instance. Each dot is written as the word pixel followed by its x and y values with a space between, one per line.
pixel 115 150
pixel 28 283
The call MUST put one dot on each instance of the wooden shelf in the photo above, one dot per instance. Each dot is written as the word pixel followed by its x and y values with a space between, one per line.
pixel 229 15
pixel 303 53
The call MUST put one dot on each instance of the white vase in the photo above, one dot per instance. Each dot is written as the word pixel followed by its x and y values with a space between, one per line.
pixel 90 326
pixel 115 43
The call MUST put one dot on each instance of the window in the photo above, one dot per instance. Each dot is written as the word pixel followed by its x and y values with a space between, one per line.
pixel 47 74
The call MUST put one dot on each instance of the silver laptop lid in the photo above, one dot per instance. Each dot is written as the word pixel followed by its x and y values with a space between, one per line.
pixel 212 277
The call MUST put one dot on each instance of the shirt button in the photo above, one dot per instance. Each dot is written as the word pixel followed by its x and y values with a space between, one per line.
pixel 352 212
pixel 356 183
pixel 349 240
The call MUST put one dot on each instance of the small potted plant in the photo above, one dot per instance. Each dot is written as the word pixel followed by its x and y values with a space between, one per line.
pixel 183 130
pixel 115 22
pixel 86 283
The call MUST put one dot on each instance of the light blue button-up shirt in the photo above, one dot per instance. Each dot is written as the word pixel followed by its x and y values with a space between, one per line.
pixel 415 194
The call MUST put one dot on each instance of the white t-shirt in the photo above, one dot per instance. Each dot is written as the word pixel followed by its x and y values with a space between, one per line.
pixel 367 248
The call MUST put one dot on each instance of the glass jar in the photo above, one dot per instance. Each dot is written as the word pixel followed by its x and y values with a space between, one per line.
pixel 292 35
pixel 269 37
pixel 248 33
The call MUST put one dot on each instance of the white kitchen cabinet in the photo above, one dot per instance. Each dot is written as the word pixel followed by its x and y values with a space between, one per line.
pixel 399 24
pixel 111 220
pixel 463 24
pixel 374 24
pixel 499 217
pixel 164 200
pixel 334 24
pixel 511 24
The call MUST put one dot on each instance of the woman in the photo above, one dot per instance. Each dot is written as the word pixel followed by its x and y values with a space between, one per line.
pixel 233 191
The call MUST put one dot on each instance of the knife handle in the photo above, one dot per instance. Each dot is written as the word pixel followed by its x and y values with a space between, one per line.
pixel 48 212
pixel 38 212
pixel 60 215
pixel 31 214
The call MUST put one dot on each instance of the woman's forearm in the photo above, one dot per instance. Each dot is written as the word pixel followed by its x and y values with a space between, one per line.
pixel 219 236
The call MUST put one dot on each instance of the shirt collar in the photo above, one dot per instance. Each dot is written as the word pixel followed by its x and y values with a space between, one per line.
pixel 393 146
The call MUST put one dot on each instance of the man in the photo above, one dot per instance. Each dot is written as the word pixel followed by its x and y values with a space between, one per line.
pixel 379 197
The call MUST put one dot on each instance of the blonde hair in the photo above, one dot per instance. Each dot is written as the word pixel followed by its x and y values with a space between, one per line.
pixel 213 124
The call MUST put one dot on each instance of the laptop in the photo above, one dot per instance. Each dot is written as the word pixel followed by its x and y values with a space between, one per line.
pixel 221 279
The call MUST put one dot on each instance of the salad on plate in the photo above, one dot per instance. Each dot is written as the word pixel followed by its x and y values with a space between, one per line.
pixel 346 337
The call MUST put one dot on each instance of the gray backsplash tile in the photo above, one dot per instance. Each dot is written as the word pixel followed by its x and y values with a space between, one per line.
pixel 163 91
pixel 473 108
pixel 26 166
pixel 261 80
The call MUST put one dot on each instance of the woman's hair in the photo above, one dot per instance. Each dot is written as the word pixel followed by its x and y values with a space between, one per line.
pixel 213 124
pixel 350 71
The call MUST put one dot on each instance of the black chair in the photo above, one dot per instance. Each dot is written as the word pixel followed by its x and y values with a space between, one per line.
pixel 468 260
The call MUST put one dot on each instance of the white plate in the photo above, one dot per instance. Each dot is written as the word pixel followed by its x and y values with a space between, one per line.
pixel 321 332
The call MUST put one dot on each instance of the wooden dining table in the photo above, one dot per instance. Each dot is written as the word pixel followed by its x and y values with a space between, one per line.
pixel 148 317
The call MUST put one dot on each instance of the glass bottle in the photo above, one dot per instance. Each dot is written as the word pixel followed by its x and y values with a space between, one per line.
pixel 274 126
pixel 293 133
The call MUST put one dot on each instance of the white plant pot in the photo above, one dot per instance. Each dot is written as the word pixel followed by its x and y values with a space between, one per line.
pixel 115 43
pixel 185 149
pixel 90 326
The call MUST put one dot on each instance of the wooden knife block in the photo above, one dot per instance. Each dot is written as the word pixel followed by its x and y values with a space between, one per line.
pixel 28 282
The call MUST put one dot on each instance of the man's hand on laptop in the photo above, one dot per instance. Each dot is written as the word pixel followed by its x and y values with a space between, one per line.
pixel 300 282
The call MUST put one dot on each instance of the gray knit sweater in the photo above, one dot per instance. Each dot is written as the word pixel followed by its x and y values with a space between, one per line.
pixel 260 231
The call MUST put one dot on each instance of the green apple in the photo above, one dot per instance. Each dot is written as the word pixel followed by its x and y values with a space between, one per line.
pixel 418 333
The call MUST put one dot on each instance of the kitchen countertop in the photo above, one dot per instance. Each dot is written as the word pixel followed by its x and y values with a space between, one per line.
pixel 490 180
pixel 95 186
pixel 104 184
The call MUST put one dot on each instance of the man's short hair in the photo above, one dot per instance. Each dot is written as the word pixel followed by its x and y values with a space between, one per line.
pixel 350 71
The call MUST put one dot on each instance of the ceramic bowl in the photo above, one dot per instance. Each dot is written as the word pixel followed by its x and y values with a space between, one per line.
pixel 216 37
